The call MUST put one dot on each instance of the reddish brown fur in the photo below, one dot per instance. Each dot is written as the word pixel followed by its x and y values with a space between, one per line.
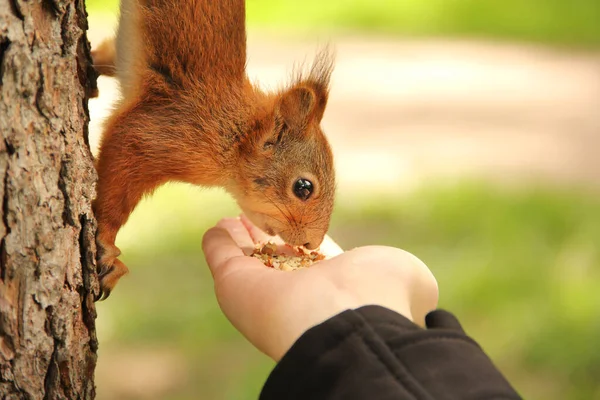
pixel 190 114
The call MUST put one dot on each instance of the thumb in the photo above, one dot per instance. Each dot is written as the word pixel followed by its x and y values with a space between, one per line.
pixel 241 284
pixel 221 251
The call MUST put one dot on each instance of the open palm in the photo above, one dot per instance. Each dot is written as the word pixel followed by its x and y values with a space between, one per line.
pixel 272 308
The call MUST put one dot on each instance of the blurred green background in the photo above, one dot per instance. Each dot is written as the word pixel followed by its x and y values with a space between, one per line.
pixel 549 21
pixel 519 264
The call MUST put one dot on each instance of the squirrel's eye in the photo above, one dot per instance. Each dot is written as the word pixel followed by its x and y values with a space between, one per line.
pixel 303 188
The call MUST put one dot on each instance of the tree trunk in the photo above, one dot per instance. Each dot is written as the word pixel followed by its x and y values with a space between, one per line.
pixel 47 250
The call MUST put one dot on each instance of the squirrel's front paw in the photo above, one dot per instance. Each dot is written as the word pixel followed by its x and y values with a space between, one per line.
pixel 110 270
pixel 104 57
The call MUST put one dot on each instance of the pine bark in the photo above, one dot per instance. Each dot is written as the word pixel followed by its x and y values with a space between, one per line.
pixel 47 182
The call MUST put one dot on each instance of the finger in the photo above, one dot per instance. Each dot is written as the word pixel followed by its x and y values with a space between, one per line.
pixel 238 232
pixel 219 247
pixel 257 235
pixel 223 255
pixel 330 248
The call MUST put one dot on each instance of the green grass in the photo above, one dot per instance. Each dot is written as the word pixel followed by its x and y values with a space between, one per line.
pixel 544 21
pixel 519 268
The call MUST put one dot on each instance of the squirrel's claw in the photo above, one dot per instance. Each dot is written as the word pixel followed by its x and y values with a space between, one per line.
pixel 102 295
pixel 104 271
pixel 110 269
pixel 109 276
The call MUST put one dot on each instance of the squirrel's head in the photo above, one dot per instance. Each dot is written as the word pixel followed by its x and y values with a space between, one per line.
pixel 287 184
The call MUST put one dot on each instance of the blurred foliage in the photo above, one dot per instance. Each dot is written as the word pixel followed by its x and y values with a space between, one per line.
pixel 519 268
pixel 572 22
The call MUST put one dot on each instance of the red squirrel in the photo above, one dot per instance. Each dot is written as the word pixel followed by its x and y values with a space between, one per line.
pixel 190 114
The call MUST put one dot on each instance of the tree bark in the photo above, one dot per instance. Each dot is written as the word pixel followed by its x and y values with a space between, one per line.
pixel 47 250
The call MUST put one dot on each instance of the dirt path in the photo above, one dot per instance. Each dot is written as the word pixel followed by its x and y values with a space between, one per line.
pixel 403 112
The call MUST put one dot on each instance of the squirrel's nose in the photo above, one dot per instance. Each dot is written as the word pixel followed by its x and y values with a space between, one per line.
pixel 310 246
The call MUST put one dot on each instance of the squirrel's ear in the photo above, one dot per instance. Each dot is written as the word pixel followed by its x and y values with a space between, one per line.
pixel 302 103
pixel 306 100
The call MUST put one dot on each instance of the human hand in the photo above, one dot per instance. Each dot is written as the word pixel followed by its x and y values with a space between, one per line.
pixel 272 309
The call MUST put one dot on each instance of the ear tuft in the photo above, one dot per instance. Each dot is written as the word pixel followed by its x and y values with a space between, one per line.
pixel 322 68
pixel 315 83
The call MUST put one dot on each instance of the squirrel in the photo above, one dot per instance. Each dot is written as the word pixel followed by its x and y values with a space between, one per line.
pixel 189 113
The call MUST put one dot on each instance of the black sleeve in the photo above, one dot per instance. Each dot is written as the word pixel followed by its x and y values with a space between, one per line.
pixel 377 354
